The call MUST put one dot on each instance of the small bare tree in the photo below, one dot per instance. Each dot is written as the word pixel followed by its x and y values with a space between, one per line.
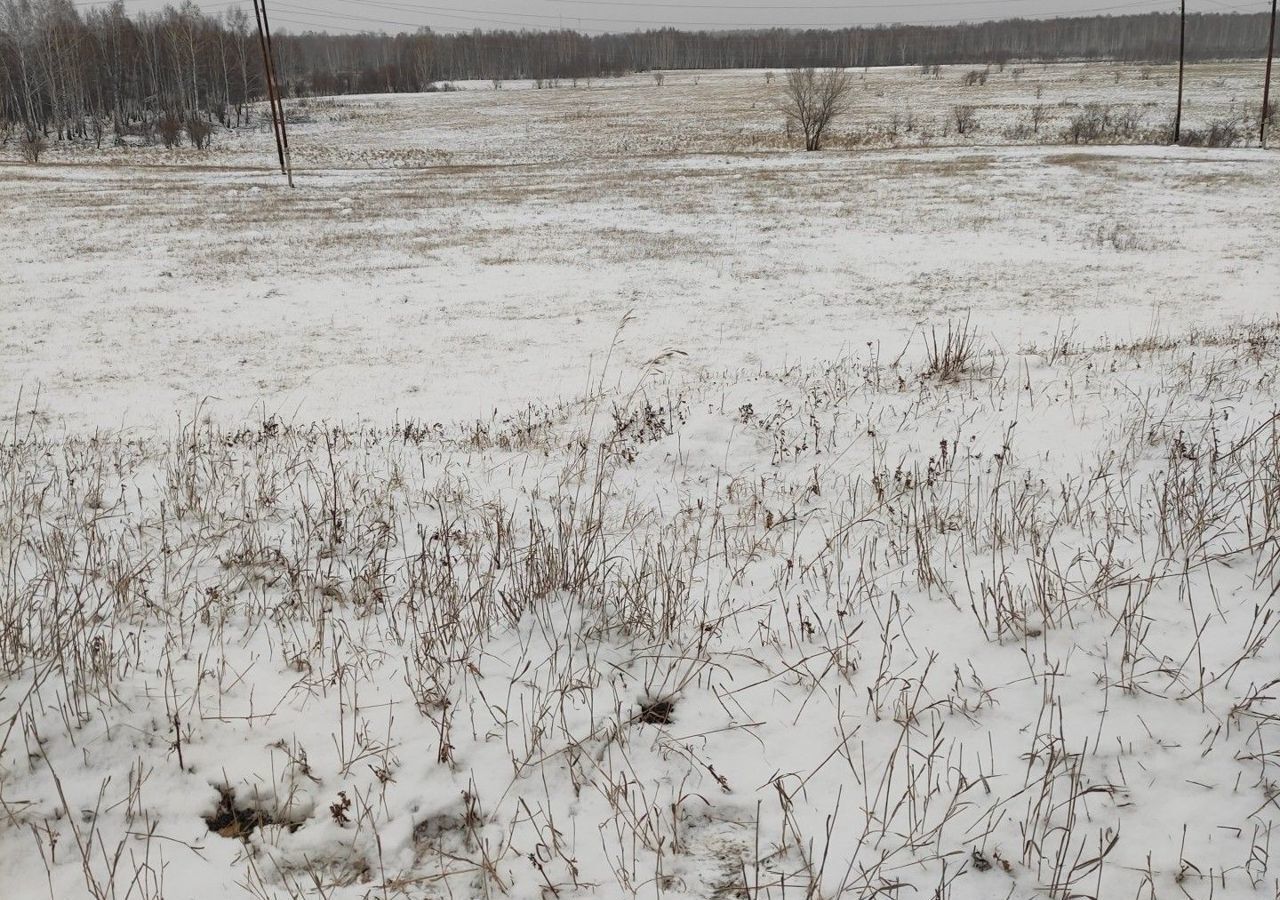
pixel 1039 115
pixel 31 146
pixel 812 100
pixel 966 119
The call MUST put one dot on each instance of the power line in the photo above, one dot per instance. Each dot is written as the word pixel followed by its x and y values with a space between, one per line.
pixel 788 7
pixel 454 13
pixel 458 18
pixel 529 21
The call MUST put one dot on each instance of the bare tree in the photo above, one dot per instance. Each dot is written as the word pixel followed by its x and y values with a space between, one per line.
pixel 1039 115
pixel 965 117
pixel 813 99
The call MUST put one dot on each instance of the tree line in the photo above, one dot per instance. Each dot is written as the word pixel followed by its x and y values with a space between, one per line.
pixel 73 73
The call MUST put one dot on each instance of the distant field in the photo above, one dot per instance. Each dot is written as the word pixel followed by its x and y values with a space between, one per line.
pixel 729 111
pixel 577 493
pixel 492 276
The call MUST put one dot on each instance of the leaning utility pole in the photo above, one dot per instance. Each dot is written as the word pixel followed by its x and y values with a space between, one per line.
pixel 1265 116
pixel 1182 59
pixel 266 77
pixel 273 89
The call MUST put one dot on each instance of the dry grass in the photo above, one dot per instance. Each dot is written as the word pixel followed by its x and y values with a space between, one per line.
pixel 502 640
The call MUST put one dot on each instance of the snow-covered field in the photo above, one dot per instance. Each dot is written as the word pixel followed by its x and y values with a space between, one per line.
pixel 571 493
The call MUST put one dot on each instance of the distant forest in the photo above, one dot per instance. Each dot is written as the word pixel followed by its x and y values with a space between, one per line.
pixel 72 72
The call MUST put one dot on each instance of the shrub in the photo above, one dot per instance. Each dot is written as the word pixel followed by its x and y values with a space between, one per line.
pixel 169 127
pixel 1097 123
pixel 1088 126
pixel 1220 133
pixel 32 146
pixel 966 119
pixel 200 133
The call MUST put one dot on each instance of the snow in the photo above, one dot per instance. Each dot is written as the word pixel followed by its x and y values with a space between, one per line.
pixel 396 505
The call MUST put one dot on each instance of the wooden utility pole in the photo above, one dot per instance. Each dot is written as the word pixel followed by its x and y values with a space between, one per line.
pixel 284 131
pixel 1182 61
pixel 1265 116
pixel 266 76
pixel 273 89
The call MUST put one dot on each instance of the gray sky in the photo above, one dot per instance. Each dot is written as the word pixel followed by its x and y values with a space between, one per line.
pixel 619 15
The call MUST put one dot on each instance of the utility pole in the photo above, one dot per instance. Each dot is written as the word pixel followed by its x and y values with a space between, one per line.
pixel 284 132
pixel 273 89
pixel 266 75
pixel 1182 59
pixel 1265 116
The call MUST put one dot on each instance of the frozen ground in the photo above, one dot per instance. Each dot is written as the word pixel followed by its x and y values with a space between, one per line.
pixel 587 505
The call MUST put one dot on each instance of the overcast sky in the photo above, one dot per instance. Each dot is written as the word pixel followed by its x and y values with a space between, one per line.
pixel 617 15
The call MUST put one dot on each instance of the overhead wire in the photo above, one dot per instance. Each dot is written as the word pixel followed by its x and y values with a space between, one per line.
pixel 308 16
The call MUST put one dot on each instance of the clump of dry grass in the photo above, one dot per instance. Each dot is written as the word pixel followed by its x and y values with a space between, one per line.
pixel 954 354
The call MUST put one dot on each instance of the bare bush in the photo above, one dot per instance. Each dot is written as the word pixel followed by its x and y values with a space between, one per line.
pixel 1219 133
pixel 1089 126
pixel 200 132
pixel 965 118
pixel 169 127
pixel 813 100
pixel 1099 123
pixel 32 146
pixel 975 78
